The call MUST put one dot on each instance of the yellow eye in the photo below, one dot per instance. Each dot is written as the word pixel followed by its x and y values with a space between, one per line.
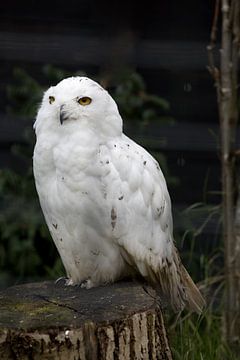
pixel 84 101
pixel 51 99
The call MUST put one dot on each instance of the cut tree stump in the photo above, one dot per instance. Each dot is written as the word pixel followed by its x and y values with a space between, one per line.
pixel 53 321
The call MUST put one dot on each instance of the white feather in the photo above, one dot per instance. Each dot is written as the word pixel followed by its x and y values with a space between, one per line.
pixel 104 197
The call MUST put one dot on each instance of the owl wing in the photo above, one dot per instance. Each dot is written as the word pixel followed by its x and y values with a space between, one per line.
pixel 142 223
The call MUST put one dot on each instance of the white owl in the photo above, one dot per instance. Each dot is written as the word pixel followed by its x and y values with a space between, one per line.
pixel 104 197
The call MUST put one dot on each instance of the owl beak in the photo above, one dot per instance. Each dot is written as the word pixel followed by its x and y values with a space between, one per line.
pixel 63 115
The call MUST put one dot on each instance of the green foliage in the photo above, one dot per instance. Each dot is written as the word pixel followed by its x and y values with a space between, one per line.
pixel 195 219
pixel 24 236
pixel 24 95
pixel 199 338
pixel 135 104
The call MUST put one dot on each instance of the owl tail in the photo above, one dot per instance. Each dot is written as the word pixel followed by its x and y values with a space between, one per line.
pixel 175 284
pixel 194 299
pixel 171 281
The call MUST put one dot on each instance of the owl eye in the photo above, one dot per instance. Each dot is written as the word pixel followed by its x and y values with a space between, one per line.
pixel 51 99
pixel 84 100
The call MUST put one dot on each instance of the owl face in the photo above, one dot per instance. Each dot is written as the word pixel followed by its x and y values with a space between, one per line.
pixel 78 102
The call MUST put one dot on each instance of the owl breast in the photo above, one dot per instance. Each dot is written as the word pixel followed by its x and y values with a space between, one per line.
pixel 79 211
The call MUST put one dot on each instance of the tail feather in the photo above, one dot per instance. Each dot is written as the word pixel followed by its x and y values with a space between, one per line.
pixel 175 283
pixel 171 281
pixel 194 299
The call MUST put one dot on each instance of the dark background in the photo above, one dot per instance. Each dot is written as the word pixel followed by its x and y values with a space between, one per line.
pixel 164 41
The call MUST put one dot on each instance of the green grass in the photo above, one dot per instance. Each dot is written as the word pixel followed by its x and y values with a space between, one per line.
pixel 195 337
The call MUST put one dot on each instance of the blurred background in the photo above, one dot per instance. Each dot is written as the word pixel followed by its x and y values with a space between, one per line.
pixel 152 58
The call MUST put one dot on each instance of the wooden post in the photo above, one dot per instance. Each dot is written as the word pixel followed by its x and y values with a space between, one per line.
pixel 53 321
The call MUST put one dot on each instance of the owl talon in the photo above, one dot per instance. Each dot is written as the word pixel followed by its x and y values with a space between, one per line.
pixel 69 282
pixel 66 281
pixel 87 284
pixel 61 279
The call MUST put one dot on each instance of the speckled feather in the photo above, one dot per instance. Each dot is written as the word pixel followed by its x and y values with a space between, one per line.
pixel 104 197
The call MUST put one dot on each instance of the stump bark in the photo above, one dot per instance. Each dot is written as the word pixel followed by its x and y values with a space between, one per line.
pixel 52 321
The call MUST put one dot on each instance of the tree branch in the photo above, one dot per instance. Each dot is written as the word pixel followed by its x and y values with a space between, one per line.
pixel 214 71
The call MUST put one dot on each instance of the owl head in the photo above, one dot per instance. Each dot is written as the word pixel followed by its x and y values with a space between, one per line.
pixel 77 103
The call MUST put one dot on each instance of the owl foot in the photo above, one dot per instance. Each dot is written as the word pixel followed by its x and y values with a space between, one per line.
pixel 87 284
pixel 69 282
pixel 61 279
pixel 66 281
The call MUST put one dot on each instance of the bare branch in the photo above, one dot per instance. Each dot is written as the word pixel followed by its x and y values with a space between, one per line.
pixel 214 29
pixel 235 44
pixel 214 71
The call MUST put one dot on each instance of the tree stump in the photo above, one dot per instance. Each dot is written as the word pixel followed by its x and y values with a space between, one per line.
pixel 45 320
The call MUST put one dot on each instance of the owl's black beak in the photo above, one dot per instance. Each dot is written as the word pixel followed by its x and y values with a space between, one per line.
pixel 63 114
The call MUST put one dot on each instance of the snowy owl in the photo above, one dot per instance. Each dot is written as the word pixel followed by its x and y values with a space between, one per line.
pixel 104 197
